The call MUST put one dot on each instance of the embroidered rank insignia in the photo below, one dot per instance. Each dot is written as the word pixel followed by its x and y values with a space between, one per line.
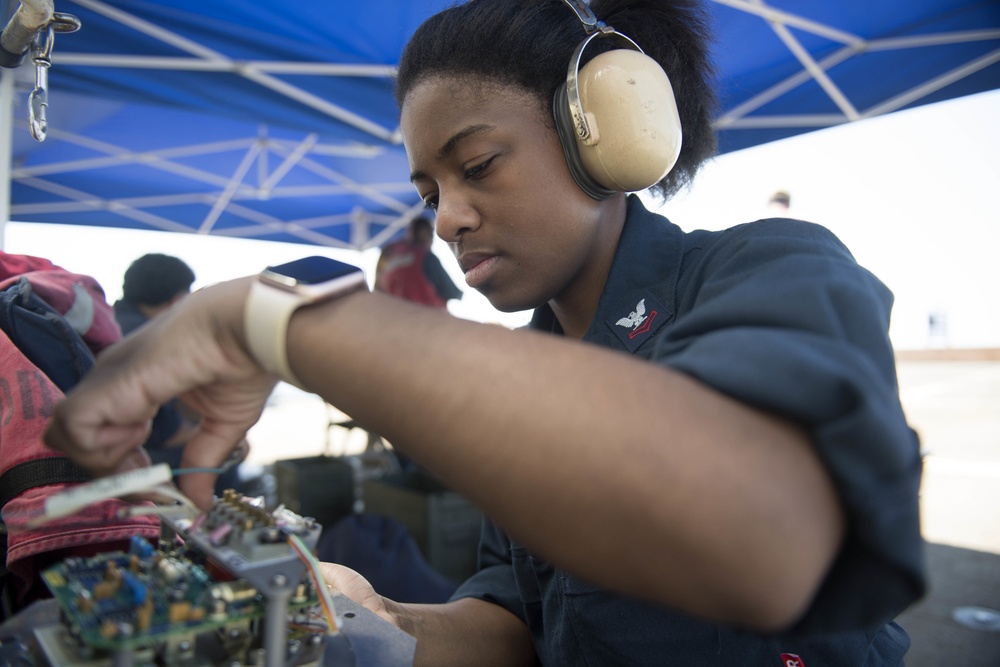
pixel 642 320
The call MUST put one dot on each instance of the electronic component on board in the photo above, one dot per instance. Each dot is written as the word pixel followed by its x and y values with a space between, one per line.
pixel 236 585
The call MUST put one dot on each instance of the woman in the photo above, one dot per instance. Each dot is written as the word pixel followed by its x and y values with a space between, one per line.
pixel 695 456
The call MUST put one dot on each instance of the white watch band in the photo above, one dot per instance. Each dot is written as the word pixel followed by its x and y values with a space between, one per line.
pixel 265 319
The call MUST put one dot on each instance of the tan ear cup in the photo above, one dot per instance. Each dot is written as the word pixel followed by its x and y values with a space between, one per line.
pixel 635 129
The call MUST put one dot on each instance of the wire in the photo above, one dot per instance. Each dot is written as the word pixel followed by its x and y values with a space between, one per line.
pixel 174 494
pixel 138 481
pixel 158 510
pixel 191 471
pixel 322 591
pixel 235 457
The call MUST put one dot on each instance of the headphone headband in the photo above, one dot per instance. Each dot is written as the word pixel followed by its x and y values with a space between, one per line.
pixel 582 10
pixel 594 28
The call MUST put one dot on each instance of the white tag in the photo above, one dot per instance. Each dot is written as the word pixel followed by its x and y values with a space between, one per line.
pixel 73 500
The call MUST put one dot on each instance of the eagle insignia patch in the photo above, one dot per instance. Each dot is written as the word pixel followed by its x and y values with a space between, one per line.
pixel 642 320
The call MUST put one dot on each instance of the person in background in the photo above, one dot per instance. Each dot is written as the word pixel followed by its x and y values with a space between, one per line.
pixel 152 283
pixel 696 452
pixel 780 203
pixel 408 269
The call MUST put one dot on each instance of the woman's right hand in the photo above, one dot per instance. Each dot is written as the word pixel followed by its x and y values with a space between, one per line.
pixel 196 351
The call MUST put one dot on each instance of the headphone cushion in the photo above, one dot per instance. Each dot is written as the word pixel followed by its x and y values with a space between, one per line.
pixel 635 126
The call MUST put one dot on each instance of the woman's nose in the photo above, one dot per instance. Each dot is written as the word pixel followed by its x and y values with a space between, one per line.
pixel 455 217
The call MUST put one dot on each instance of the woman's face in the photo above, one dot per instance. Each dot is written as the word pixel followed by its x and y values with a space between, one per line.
pixel 489 160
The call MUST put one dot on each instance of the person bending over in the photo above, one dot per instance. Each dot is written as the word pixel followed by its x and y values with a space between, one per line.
pixel 695 453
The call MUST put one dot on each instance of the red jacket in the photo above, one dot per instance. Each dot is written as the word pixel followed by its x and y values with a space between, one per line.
pixel 402 274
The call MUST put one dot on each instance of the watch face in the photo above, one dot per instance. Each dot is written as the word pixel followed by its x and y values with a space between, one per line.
pixel 311 270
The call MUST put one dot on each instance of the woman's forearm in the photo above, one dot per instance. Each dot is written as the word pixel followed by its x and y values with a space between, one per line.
pixel 465 632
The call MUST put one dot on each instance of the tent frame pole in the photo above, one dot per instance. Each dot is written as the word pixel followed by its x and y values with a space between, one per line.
pixel 6 139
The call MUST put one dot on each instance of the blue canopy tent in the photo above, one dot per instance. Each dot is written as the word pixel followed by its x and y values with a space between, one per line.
pixel 275 120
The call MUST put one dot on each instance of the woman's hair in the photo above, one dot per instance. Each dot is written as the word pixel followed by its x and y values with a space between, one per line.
pixel 529 43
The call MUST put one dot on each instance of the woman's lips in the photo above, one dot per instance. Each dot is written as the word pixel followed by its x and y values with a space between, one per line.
pixel 481 268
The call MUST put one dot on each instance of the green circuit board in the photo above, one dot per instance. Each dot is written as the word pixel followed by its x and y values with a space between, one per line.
pixel 118 599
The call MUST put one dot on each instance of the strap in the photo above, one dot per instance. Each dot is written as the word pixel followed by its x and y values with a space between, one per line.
pixel 40 472
pixel 266 316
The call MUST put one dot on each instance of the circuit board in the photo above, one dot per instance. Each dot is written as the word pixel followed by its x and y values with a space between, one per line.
pixel 207 582
pixel 144 597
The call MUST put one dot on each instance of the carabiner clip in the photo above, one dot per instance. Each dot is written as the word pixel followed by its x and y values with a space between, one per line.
pixel 41 55
pixel 38 101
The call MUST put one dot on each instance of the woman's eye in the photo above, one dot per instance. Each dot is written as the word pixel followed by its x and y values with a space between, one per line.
pixel 473 172
pixel 431 203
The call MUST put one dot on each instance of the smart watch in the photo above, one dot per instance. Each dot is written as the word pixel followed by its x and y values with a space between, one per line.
pixel 279 291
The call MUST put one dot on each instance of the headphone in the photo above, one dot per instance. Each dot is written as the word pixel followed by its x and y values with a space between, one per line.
pixel 617 117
